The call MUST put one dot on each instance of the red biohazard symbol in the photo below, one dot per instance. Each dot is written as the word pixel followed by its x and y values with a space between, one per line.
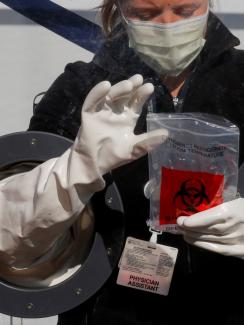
pixel 192 193
pixel 185 192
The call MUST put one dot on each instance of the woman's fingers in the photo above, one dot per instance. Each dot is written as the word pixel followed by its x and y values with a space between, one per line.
pixel 121 93
pixel 205 219
pixel 146 142
pixel 96 96
pixel 120 90
pixel 137 81
pixel 140 96
pixel 129 93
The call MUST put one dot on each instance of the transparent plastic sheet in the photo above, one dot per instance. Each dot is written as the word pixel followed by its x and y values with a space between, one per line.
pixel 194 170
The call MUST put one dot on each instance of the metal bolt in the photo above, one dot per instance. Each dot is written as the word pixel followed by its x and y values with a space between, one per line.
pixel 30 306
pixel 78 291
pixel 33 142
pixel 109 200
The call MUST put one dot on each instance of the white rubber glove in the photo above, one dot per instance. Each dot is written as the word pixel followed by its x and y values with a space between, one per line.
pixel 37 207
pixel 106 138
pixel 219 229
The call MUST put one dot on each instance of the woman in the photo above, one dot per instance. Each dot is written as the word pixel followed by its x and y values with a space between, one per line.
pixel 206 77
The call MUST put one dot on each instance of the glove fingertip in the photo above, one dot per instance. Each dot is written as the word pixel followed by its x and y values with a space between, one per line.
pixel 106 85
pixel 156 138
pixel 149 87
pixel 137 80
pixel 181 221
pixel 96 95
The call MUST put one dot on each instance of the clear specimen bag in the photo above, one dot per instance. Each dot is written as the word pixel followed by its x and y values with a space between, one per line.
pixel 194 170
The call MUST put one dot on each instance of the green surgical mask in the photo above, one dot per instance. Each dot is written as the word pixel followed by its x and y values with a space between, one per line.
pixel 168 48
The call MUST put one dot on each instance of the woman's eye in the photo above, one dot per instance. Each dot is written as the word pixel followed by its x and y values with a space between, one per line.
pixel 185 14
pixel 141 15
pixel 144 16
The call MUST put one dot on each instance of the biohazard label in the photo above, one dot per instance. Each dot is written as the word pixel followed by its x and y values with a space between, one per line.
pixel 184 193
pixel 147 266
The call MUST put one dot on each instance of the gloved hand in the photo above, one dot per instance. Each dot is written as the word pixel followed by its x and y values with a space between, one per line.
pixel 38 207
pixel 219 229
pixel 106 138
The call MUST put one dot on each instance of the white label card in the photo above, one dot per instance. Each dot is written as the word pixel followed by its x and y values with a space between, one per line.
pixel 147 266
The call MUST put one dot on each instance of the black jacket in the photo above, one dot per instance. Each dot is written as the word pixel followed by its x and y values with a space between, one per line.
pixel 207 288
